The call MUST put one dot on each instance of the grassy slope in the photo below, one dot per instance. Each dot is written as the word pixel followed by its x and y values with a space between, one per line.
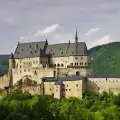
pixel 106 60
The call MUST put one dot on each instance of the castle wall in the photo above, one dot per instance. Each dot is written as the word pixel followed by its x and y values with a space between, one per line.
pixel 4 81
pixel 49 88
pixel 99 85
pixel 73 88
pixel 59 62
pixel 32 89
pixel 34 73
pixel 78 60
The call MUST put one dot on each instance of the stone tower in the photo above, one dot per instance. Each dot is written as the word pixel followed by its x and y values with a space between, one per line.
pixel 11 66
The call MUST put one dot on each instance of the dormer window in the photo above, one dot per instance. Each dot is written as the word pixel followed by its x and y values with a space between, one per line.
pixel 36 46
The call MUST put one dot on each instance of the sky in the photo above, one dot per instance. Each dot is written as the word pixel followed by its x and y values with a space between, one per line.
pixel 97 22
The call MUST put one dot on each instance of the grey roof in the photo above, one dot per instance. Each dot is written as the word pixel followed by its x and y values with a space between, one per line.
pixel 67 49
pixel 105 76
pixel 36 49
pixel 67 78
pixel 26 50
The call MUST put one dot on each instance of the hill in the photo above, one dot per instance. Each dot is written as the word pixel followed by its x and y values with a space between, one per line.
pixel 4 63
pixel 105 59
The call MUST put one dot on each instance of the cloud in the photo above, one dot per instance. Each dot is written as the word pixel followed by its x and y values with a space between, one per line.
pixel 92 31
pixel 47 30
pixel 103 40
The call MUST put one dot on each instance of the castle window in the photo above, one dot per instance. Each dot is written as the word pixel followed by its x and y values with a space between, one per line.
pixel 63 89
pixel 22 49
pixel 30 51
pixel 76 57
pixel 53 53
pixel 50 49
pixel 81 58
pixel 71 64
pixel 33 89
pixel 33 62
pixel 60 49
pixel 20 66
pixel 24 70
pixel 35 51
pixel 36 46
pixel 17 52
pixel 61 52
pixel 38 88
pixel 76 85
pixel 66 89
pixel 28 70
pixel 58 65
pixel 30 46
pixel 67 85
pixel 20 71
pixel 76 63
pixel 36 61
pixel 35 72
pixel 56 90
pixel 62 65
pixel 72 52
pixel 77 73
pixel 69 89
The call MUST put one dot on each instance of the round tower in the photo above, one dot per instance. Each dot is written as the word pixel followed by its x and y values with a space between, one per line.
pixel 11 62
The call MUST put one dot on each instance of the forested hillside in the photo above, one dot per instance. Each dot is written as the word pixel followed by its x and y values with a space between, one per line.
pixel 23 106
pixel 4 63
pixel 106 58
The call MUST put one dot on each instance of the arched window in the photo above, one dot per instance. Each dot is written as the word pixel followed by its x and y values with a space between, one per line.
pixel 35 72
pixel 77 73
pixel 62 65
pixel 58 65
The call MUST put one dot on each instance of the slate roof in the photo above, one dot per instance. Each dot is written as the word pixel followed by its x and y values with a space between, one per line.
pixel 104 76
pixel 26 50
pixel 67 78
pixel 36 49
pixel 66 49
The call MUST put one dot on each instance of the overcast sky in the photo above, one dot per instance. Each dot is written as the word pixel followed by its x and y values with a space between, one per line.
pixel 97 21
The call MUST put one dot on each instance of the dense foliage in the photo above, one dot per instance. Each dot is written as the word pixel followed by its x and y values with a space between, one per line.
pixel 23 106
pixel 105 59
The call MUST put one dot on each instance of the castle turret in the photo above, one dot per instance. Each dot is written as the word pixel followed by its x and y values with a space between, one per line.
pixel 11 66
pixel 11 62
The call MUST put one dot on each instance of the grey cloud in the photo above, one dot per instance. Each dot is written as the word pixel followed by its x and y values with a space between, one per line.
pixel 28 16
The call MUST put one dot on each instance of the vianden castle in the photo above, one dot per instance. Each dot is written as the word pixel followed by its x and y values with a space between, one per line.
pixel 61 70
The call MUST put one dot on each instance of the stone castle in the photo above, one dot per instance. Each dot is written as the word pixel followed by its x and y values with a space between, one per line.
pixel 61 70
